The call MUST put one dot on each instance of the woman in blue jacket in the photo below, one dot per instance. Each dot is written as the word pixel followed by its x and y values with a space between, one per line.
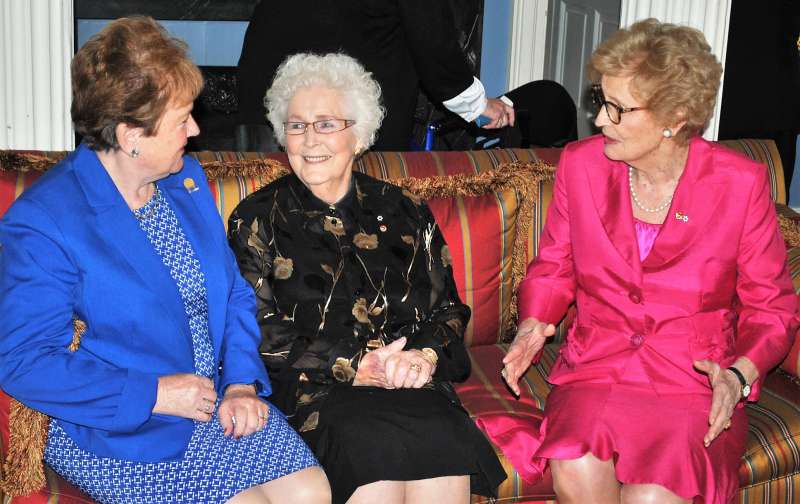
pixel 163 401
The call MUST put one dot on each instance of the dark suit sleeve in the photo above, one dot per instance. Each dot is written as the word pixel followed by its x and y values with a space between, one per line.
pixel 432 40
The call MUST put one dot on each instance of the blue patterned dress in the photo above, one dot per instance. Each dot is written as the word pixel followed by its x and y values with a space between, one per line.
pixel 214 467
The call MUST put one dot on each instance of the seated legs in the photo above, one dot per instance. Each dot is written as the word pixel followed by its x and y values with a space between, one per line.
pixel 445 490
pixel 589 480
pixel 308 486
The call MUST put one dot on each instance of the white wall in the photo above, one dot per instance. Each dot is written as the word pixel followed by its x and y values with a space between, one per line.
pixel 35 49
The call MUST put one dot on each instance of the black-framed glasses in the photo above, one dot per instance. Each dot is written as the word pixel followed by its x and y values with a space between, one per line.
pixel 323 126
pixel 613 110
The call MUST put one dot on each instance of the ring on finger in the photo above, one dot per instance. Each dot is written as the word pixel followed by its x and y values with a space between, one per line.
pixel 415 367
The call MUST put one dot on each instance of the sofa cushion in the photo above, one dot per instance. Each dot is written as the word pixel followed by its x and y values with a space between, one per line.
pixel 773 439
pixel 485 396
pixel 792 362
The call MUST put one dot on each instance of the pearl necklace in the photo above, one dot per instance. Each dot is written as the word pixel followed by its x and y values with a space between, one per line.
pixel 659 208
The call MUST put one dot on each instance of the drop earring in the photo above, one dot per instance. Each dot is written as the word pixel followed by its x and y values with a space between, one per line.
pixel 135 152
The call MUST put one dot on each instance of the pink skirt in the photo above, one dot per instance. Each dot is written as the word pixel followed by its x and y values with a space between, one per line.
pixel 652 439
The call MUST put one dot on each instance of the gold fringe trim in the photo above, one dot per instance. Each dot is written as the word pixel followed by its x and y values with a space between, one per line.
pixel 524 178
pixel 790 229
pixel 23 469
pixel 24 161
pixel 268 169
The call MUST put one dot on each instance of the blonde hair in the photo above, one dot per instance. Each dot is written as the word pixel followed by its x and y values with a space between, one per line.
pixel 360 92
pixel 674 72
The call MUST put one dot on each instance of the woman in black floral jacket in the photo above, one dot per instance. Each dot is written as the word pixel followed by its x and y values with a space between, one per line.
pixel 362 327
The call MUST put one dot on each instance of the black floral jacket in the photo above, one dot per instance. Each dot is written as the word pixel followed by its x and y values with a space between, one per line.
pixel 333 282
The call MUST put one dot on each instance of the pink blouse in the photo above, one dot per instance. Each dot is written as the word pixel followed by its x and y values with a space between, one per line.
pixel 645 235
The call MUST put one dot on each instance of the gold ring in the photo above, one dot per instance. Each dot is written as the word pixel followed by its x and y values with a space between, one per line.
pixel 415 367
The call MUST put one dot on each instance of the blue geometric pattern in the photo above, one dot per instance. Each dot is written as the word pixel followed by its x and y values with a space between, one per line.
pixel 214 467
pixel 159 222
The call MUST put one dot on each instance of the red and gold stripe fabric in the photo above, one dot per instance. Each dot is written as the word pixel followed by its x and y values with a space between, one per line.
pixel 481 230
pixel 770 469
pixel 792 362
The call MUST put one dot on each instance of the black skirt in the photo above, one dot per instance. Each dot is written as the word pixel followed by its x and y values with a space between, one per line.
pixel 368 434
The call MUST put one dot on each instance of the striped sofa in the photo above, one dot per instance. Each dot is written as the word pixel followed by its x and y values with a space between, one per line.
pixel 491 206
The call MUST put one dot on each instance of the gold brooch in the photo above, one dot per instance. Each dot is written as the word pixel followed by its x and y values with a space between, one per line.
pixel 189 184
pixel 681 217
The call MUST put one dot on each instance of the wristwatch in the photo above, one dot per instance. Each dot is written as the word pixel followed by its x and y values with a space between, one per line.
pixel 742 381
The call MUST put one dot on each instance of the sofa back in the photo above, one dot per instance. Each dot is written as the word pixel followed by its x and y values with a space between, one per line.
pixel 488 205
pixel 491 207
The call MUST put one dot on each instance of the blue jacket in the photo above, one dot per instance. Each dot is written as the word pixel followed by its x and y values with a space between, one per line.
pixel 71 246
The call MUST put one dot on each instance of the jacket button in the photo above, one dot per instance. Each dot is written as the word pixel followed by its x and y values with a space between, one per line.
pixel 637 340
pixel 635 298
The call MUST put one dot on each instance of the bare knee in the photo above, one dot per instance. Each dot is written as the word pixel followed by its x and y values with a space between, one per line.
pixel 586 479
pixel 650 494
pixel 314 488
pixel 307 486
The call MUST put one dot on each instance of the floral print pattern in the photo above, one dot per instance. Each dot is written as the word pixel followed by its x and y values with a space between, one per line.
pixel 333 282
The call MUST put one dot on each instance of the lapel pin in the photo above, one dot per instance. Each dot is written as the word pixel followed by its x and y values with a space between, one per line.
pixel 189 184
pixel 681 217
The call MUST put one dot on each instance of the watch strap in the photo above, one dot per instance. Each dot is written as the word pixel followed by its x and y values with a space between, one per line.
pixel 742 381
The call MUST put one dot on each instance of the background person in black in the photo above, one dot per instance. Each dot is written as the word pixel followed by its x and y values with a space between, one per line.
pixel 761 89
pixel 403 43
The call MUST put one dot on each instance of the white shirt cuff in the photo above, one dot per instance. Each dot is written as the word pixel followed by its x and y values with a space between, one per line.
pixel 470 103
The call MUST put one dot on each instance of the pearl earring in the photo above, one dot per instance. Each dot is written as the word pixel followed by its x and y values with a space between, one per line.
pixel 667 133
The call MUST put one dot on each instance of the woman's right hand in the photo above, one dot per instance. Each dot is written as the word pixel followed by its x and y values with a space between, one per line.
pixel 372 368
pixel 530 338
pixel 186 395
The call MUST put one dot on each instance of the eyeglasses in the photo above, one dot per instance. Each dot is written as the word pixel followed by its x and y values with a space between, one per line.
pixel 323 126
pixel 613 110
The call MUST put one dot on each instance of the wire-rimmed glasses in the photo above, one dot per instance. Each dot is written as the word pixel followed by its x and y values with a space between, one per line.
pixel 323 126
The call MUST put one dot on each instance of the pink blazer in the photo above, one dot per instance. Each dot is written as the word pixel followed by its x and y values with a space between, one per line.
pixel 715 285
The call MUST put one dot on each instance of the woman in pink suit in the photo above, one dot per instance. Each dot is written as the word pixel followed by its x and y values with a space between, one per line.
pixel 669 246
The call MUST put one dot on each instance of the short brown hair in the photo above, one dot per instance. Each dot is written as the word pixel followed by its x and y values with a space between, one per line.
pixel 673 70
pixel 128 73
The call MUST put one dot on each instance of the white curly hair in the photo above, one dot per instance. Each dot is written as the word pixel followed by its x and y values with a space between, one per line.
pixel 337 71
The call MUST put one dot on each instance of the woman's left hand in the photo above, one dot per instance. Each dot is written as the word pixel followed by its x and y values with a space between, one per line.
pixel 726 394
pixel 408 369
pixel 241 411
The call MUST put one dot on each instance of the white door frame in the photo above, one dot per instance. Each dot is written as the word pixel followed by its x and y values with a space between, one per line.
pixel 36 40
pixel 528 42
pixel 529 34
